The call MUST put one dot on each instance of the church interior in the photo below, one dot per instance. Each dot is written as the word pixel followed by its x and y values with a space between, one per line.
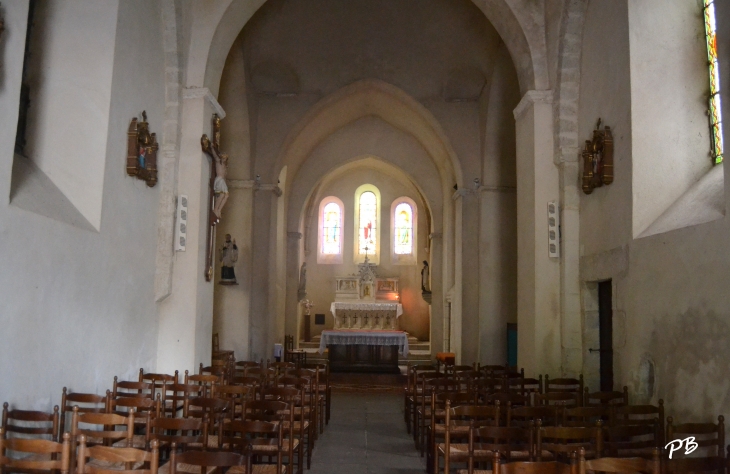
pixel 394 208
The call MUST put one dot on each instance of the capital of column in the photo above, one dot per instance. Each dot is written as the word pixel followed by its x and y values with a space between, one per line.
pixel 204 92
pixel 531 98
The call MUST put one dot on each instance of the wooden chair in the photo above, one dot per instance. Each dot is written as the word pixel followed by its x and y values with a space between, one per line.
pixel 175 397
pixel 524 416
pixel 510 442
pixel 185 433
pixel 457 425
pixel 237 396
pixel 36 455
pixel 144 410
pixel 624 441
pixel 324 385
pixel 105 460
pixel 208 382
pixel 710 454
pixel 505 398
pixel 560 441
pixel 620 465
pixel 606 398
pixel 218 370
pixel 296 356
pixel 570 385
pixel 264 438
pixel 27 423
pixel 101 429
pixel 422 403
pixel 412 390
pixel 538 467
pixel 212 409
pixel 293 397
pixel 641 415
pixel 86 403
pixel 437 427
pixel 272 411
pixel 207 461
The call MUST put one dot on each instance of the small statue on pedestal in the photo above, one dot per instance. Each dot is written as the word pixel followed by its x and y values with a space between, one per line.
pixel 228 258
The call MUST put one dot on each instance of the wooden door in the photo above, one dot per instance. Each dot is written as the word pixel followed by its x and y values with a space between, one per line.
pixel 605 328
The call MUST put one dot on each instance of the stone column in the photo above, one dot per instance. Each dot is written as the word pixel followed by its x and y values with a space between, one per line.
pixel 185 317
pixel 231 309
pixel 293 252
pixel 497 268
pixel 538 276
pixel 437 295
pixel 468 246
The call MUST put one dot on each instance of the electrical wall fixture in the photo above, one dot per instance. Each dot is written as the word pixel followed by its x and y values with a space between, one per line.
pixel 553 216
pixel 181 229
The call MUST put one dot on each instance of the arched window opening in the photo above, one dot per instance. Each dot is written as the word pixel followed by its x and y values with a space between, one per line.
pixel 331 219
pixel 332 229
pixel 367 223
pixel 715 111
pixel 403 242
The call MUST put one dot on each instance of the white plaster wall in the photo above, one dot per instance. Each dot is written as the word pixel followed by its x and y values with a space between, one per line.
pixel 71 86
pixel 669 90
pixel 78 306
pixel 671 293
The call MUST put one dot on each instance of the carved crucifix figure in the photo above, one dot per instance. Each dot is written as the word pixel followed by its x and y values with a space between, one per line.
pixel 217 190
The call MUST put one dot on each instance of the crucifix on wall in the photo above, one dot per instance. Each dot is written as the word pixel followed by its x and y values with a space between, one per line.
pixel 217 188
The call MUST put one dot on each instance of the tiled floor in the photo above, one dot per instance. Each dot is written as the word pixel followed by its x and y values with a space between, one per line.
pixel 366 434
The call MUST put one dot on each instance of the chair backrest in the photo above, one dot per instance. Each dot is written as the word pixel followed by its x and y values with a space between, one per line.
pixel 524 416
pixel 30 424
pixel 620 465
pixel 625 440
pixel 565 384
pixel 45 455
pixel 585 416
pixel 535 467
pixel 502 439
pixel 710 439
pixel 563 440
pixel 131 388
pixel 567 399
pixel 205 459
pixel 640 414
pixel 209 382
pixel 108 422
pixel 148 460
pixel 237 396
pixel 606 398
pixel 240 434
pixel 482 415
pixel 514 399
pixel 181 431
pixel 211 408
pixel 86 403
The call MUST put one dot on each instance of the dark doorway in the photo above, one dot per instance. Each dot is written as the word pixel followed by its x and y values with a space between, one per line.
pixel 605 328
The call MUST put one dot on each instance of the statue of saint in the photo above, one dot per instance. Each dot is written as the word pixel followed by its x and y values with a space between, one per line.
pixel 425 274
pixel 302 292
pixel 228 258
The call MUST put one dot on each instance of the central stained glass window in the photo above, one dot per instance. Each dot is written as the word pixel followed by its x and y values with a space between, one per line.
pixel 403 244
pixel 367 226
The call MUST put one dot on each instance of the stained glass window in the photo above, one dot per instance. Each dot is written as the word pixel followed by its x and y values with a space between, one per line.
pixel 403 244
pixel 332 229
pixel 715 112
pixel 368 218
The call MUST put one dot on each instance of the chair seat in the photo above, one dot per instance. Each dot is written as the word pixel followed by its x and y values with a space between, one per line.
pixel 476 471
pixel 271 448
pixel 455 429
pixel 182 467
pixel 111 465
pixel 138 442
pixel 212 443
pixel 257 469
pixel 460 451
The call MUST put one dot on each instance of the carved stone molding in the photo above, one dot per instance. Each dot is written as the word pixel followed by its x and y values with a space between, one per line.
pixel 530 98
pixel 204 92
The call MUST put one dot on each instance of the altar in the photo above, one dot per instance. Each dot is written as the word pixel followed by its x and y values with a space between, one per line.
pixel 354 350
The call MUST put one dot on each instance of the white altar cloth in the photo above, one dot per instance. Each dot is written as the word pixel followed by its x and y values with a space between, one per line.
pixel 373 306
pixel 368 338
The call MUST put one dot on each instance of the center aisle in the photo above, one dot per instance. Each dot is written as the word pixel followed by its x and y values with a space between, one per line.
pixel 366 434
